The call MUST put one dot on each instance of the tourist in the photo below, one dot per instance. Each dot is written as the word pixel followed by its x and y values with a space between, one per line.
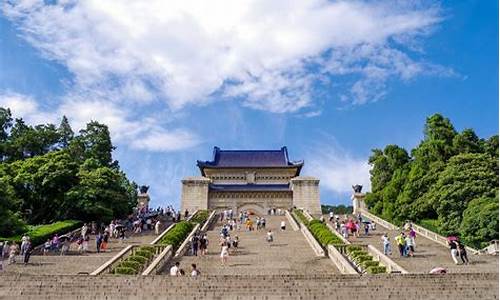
pixel 224 252
pixel 203 245
pixel 235 243
pixel 194 245
pixel 84 230
pixel 46 247
pixel 157 227
pixel 65 246
pixel 331 217
pixel 263 222
pixel 400 241
pixel 463 253
pixel 24 241
pixel 413 235
pixel 98 242
pixel 85 244
pixel 344 230
pixel 55 243
pixel 387 244
pixel 270 238
pixel 105 240
pixel 367 228
pixel 13 249
pixel 283 225
pixel 174 270
pixel 453 251
pixel 409 246
pixel 28 249
pixel 194 271
pixel 112 229
pixel 258 223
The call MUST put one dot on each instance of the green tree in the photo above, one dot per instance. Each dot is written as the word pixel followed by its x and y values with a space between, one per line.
pixel 467 142
pixel 65 132
pixel 480 222
pixel 97 142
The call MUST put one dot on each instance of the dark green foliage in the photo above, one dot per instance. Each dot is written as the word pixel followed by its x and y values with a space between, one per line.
pixel 323 234
pixel 447 171
pixel 200 217
pixel 369 263
pixel 177 234
pixel 376 270
pixel 338 209
pixel 49 174
pixel 125 271
pixel 39 234
pixel 140 259
pixel 131 264
pixel 300 216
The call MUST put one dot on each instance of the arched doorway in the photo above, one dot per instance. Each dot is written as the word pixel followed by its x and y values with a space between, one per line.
pixel 253 208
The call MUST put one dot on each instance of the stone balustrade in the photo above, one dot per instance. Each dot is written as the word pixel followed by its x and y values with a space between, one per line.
pixel 292 221
pixel 161 259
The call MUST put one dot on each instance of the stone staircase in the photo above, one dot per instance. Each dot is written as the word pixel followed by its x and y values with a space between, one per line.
pixel 289 254
pixel 428 254
pixel 331 286
pixel 75 263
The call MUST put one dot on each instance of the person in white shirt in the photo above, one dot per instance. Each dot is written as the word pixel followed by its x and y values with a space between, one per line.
pixel 331 216
pixel 283 225
pixel 194 272
pixel 157 227
pixel 175 271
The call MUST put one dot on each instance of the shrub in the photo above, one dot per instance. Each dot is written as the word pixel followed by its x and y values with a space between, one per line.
pixel 125 271
pixel 362 258
pixel 369 263
pixel 300 216
pixel 140 259
pixel 40 233
pixel 323 234
pixel 351 248
pixel 177 234
pixel 144 253
pixel 200 217
pixel 376 270
pixel 131 264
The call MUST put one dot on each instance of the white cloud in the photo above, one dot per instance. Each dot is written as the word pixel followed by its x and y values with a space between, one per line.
pixel 26 107
pixel 144 134
pixel 336 168
pixel 266 53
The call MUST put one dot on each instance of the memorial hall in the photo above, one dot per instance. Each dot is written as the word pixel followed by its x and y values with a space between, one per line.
pixel 250 180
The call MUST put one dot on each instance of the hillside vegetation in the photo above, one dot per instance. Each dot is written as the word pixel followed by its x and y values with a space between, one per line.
pixel 48 173
pixel 448 183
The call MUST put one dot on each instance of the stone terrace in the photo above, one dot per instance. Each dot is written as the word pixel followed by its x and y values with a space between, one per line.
pixel 288 254
pixel 352 287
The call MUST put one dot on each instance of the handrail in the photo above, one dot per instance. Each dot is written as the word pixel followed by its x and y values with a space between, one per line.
pixel 307 215
pixel 182 248
pixel 340 261
pixel 158 238
pixel 378 219
pixel 159 261
pixel 385 260
pixel 292 221
pixel 192 215
pixel 107 265
pixel 436 237
pixel 209 221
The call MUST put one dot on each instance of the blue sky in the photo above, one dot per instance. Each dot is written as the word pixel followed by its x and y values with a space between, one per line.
pixel 329 79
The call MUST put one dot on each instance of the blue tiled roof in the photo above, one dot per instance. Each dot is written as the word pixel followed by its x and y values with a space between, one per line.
pixel 249 158
pixel 248 187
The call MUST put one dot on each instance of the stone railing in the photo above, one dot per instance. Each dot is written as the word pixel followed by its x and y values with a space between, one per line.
pixel 129 250
pixel 211 218
pixel 158 238
pixel 192 215
pixel 392 267
pixel 340 236
pixel 339 260
pixel 292 221
pixel 157 264
pixel 312 241
pixel 431 235
pixel 378 220
pixel 187 241
pixel 307 215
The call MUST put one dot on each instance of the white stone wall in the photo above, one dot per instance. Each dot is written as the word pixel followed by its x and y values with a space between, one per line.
pixel 194 193
pixel 306 194
pixel 257 201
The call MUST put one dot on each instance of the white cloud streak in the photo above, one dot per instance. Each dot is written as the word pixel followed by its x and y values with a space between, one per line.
pixel 336 168
pixel 268 54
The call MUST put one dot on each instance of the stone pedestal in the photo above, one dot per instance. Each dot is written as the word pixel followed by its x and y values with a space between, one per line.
pixel 194 193
pixel 306 194
pixel 358 201
pixel 143 201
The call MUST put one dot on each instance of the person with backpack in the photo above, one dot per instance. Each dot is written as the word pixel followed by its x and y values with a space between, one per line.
pixel 98 242
pixel 462 252
pixel 194 245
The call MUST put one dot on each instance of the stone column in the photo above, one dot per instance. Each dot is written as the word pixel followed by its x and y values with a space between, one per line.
pixel 358 202
pixel 194 193
pixel 306 194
